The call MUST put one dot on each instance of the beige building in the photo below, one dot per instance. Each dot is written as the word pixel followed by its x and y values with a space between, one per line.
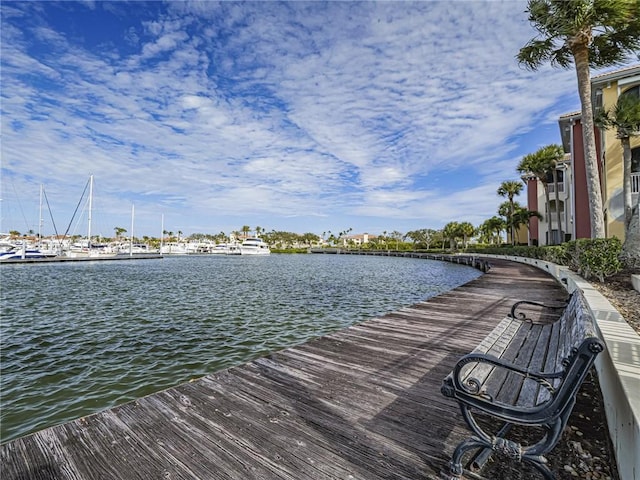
pixel 606 90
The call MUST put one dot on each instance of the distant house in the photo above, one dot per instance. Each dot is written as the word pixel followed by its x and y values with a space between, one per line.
pixel 358 239
pixel 573 201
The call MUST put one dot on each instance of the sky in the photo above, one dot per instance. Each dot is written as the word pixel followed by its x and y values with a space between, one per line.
pixel 204 117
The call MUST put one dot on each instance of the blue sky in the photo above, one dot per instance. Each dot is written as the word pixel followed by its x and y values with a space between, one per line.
pixel 299 116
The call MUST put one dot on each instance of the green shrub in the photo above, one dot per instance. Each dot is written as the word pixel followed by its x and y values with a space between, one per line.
pixel 591 258
pixel 555 254
pixel 599 257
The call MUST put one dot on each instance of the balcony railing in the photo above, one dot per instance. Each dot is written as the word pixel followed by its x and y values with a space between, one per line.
pixel 635 182
pixel 552 187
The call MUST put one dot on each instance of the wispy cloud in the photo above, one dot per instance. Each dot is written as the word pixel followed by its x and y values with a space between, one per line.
pixel 301 116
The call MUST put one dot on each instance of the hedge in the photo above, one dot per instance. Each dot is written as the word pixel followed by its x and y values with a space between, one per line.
pixel 591 258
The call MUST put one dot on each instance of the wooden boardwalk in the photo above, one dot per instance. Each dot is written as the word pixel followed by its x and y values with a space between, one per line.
pixel 363 403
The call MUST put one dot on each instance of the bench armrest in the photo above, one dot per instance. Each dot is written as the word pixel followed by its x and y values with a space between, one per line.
pixel 473 386
pixel 523 316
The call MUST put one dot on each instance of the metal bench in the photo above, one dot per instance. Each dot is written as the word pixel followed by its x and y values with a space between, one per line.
pixel 523 373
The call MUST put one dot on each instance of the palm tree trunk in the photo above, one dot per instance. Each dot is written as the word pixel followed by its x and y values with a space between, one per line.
pixel 626 186
pixel 558 216
pixel 630 255
pixel 581 57
pixel 546 196
pixel 513 240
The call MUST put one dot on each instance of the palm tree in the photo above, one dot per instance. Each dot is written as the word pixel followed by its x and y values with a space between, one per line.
pixel 542 164
pixel 510 189
pixel 554 155
pixel 588 33
pixel 467 230
pixel 504 210
pixel 397 236
pixel 245 230
pixel 119 231
pixel 494 225
pixel 625 118
pixel 523 216
pixel 452 232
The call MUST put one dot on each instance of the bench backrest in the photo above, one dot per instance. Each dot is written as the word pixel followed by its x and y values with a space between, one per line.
pixel 564 355
pixel 572 351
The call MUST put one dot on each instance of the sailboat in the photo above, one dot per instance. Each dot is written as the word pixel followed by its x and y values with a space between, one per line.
pixel 21 249
pixel 86 248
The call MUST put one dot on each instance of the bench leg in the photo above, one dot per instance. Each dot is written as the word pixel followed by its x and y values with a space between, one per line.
pixel 483 455
pixel 488 444
pixel 481 441
pixel 534 454
pixel 499 445
pixel 455 466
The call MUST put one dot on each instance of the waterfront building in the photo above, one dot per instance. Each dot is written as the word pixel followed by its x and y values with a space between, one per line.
pixel 573 201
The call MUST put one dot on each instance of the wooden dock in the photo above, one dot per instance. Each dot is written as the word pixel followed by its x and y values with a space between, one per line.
pixel 363 403
pixel 103 258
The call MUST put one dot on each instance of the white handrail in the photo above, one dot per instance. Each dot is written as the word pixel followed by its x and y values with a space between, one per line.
pixel 635 182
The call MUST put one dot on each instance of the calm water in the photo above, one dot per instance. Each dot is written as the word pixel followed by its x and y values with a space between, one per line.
pixel 81 337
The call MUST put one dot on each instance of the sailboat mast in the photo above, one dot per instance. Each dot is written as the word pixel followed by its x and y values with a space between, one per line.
pixel 90 208
pixel 40 222
pixel 131 237
pixel 161 232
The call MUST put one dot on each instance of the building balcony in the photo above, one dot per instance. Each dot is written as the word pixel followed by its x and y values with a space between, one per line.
pixel 554 215
pixel 552 188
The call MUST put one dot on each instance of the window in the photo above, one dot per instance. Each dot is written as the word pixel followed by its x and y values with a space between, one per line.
pixel 597 101
pixel 632 91
pixel 552 207
pixel 560 174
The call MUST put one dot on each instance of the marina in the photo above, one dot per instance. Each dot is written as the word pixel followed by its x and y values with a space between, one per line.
pixel 362 402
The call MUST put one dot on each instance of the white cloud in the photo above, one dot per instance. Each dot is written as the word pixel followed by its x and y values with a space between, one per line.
pixel 216 113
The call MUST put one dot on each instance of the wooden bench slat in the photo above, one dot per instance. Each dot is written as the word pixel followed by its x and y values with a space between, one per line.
pixel 511 389
pixel 495 343
pixel 544 355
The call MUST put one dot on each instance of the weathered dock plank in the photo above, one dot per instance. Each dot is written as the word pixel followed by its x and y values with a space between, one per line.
pixel 362 403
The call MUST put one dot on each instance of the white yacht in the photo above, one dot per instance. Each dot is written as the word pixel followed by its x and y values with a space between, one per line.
pixel 254 246
pixel 226 249
pixel 21 252
pixel 174 248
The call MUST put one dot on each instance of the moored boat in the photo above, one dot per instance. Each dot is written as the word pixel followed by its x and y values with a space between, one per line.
pixel 254 246
pixel 226 249
pixel 22 253
pixel 174 248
